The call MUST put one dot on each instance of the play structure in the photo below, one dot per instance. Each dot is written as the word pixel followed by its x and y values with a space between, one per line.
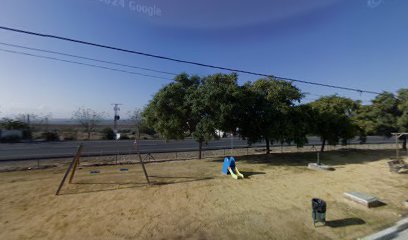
pixel 229 167
pixel 397 137
pixel 398 165
pixel 76 161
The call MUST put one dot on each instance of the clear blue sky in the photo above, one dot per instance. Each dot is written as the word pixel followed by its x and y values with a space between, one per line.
pixel 353 43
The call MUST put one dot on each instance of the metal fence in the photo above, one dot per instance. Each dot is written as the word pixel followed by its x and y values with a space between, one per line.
pixel 132 157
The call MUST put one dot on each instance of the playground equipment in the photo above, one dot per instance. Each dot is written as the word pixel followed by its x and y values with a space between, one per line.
pixel 75 163
pixel 398 165
pixel 231 168
pixel 397 136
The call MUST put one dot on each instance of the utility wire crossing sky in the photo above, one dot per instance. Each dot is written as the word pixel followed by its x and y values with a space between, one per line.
pixel 355 49
pixel 182 61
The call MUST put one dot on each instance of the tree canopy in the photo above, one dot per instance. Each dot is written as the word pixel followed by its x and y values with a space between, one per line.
pixel 267 106
pixel 10 124
pixel 268 110
pixel 387 114
pixel 332 119
pixel 194 106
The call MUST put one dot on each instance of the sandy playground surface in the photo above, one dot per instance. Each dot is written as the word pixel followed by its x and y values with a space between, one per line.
pixel 192 200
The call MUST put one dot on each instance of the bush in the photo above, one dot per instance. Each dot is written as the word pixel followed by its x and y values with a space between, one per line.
pixel 147 130
pixel 124 137
pixel 125 131
pixel 108 134
pixel 27 134
pixel 10 124
pixel 69 136
pixel 50 136
pixel 10 139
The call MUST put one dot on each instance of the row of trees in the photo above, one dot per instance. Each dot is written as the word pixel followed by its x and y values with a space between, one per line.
pixel 388 113
pixel 10 124
pixel 90 119
pixel 267 110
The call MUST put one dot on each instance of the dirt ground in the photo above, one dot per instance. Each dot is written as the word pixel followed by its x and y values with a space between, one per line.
pixel 193 200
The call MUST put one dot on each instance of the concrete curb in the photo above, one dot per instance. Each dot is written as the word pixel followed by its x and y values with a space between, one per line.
pixel 389 233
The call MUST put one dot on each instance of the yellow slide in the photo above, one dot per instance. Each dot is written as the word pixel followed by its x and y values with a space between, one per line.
pixel 237 175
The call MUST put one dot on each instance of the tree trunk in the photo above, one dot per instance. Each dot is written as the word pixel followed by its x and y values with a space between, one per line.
pixel 268 149
pixel 200 148
pixel 323 145
pixel 89 135
pixel 404 142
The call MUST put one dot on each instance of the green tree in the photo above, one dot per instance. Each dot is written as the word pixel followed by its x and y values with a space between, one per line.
pixel 253 115
pixel 332 119
pixel 365 120
pixel 10 124
pixel 108 134
pixel 385 108
pixel 402 121
pixel 387 114
pixel 217 100
pixel 195 107
pixel 267 108
pixel 216 106
pixel 298 124
pixel 170 111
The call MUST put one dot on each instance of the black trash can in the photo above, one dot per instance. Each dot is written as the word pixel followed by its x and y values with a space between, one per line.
pixel 319 210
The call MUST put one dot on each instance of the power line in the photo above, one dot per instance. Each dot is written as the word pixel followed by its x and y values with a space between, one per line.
pixel 85 58
pixel 182 61
pixel 316 96
pixel 84 64
pixel 103 67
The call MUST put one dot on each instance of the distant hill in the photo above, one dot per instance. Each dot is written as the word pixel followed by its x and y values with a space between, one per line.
pixel 107 122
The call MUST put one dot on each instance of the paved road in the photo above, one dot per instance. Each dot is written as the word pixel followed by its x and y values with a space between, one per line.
pixel 35 150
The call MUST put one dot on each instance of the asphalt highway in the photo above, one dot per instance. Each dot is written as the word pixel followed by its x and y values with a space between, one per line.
pixel 44 150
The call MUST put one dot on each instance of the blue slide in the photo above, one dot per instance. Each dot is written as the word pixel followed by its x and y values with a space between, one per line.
pixel 230 167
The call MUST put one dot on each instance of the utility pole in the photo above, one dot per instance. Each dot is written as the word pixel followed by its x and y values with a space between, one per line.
pixel 46 124
pixel 116 117
pixel 28 120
